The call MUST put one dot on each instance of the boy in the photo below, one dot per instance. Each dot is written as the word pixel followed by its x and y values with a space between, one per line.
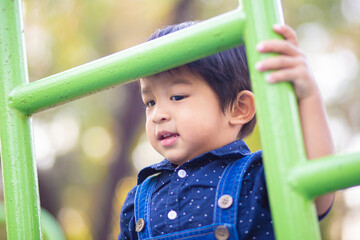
pixel 194 115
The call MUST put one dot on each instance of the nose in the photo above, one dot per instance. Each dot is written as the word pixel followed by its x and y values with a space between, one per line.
pixel 160 114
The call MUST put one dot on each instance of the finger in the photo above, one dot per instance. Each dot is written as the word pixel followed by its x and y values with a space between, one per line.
pixel 284 75
pixel 287 32
pixel 278 46
pixel 303 85
pixel 278 62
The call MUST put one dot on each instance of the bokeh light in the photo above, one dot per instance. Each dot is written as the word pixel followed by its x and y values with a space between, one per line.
pixel 96 142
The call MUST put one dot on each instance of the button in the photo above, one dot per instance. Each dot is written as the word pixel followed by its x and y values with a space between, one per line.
pixel 172 215
pixel 222 233
pixel 182 173
pixel 140 224
pixel 225 201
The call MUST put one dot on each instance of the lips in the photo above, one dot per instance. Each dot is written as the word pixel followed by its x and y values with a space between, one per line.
pixel 165 134
pixel 167 138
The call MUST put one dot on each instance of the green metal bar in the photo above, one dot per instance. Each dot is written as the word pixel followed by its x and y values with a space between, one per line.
pixel 18 166
pixel 294 214
pixel 326 175
pixel 203 39
pixel 50 227
pixel 290 178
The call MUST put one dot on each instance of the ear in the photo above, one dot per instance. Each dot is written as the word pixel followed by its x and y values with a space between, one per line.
pixel 243 109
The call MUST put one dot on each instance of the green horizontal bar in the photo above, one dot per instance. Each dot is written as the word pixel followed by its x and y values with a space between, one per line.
pixel 203 39
pixel 326 175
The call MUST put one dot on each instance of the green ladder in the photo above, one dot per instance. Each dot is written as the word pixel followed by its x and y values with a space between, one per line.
pixel 292 181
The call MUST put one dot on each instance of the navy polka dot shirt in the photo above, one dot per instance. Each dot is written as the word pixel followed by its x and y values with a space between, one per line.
pixel 184 195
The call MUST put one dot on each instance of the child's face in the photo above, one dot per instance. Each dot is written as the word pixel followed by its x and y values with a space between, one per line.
pixel 183 116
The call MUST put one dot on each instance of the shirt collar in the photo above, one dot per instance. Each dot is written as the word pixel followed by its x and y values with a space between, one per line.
pixel 232 151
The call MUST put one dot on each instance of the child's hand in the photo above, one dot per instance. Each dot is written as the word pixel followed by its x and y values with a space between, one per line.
pixel 290 65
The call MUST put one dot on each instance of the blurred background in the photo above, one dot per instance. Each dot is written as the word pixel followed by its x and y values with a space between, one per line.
pixel 89 151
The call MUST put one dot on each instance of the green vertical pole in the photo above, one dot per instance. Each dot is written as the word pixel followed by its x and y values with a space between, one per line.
pixel 293 214
pixel 18 165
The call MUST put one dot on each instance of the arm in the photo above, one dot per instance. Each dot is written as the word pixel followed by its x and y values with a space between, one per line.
pixel 291 65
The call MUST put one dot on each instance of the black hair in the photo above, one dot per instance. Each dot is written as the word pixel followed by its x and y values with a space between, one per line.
pixel 226 72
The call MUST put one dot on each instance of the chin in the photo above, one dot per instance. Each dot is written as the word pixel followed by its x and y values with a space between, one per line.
pixel 176 161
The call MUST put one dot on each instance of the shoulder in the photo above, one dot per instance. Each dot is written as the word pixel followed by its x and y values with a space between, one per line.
pixel 254 211
pixel 255 157
pixel 254 176
pixel 127 217
pixel 254 169
pixel 253 193
pixel 129 201
pixel 254 163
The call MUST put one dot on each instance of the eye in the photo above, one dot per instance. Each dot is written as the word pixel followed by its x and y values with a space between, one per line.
pixel 177 98
pixel 150 103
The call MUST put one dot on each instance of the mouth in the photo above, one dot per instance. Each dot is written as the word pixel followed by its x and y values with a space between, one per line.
pixel 167 138
pixel 164 135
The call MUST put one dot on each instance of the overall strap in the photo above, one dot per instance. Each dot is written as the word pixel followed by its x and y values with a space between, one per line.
pixel 142 207
pixel 228 195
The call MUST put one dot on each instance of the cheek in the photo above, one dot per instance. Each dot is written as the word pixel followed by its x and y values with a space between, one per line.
pixel 202 122
pixel 194 125
pixel 149 130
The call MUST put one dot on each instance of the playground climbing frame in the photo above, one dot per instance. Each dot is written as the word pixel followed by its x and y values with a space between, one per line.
pixel 292 181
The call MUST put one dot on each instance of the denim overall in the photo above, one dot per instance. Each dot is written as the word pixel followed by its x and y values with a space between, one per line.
pixel 225 207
